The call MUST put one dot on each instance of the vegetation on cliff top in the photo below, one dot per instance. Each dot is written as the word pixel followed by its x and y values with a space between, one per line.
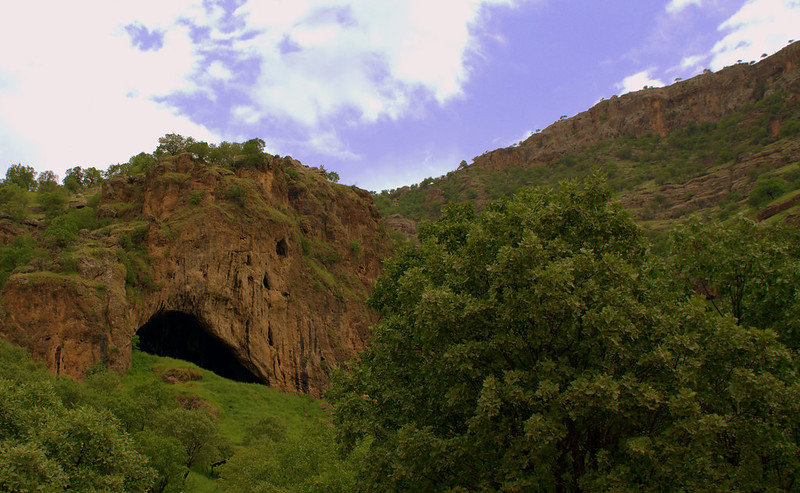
pixel 48 222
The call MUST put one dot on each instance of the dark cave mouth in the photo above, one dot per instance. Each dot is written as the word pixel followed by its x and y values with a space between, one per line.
pixel 180 335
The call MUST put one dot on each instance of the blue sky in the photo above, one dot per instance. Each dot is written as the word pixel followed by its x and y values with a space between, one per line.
pixel 386 93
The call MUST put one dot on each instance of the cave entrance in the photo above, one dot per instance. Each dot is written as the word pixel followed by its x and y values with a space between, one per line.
pixel 183 336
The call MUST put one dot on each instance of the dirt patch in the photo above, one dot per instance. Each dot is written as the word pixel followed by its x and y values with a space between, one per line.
pixel 196 402
pixel 178 375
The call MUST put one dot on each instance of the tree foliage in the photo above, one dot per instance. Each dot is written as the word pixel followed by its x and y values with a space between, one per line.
pixel 766 190
pixel 46 446
pixel 13 199
pixel 173 144
pixel 306 463
pixel 77 178
pixel 748 271
pixel 21 176
pixel 539 347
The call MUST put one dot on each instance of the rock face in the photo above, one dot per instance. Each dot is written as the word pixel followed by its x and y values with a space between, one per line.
pixel 706 97
pixel 709 97
pixel 407 227
pixel 265 270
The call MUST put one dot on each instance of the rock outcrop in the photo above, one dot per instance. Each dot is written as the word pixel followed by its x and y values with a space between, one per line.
pixel 270 265
pixel 705 98
pixel 742 92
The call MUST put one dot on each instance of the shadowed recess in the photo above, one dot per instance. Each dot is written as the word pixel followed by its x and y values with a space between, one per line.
pixel 183 336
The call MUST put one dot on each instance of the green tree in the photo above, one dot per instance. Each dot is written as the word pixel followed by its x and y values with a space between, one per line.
pixel 201 150
pixel 15 254
pixel 53 199
pixel 73 180
pixel 744 270
pixel 331 176
pixel 766 190
pixel 92 177
pixel 172 144
pixel 540 347
pixel 253 151
pixel 22 176
pixel 47 181
pixel 197 434
pixel 13 199
pixel 306 463
pixel 225 153
pixel 141 162
pixel 46 447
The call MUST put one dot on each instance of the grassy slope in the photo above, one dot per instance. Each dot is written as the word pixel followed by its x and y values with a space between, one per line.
pixel 240 405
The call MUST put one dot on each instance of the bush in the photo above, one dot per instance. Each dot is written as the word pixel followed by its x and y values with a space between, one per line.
pixel 237 193
pixel 54 201
pixel 18 253
pixel 766 190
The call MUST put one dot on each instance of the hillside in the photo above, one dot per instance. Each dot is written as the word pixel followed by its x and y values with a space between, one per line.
pixel 701 144
pixel 256 272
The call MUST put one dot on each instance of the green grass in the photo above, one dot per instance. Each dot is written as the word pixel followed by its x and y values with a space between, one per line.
pixel 240 405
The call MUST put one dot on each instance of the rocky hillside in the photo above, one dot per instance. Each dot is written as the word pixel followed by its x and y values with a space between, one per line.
pixel 701 143
pixel 259 273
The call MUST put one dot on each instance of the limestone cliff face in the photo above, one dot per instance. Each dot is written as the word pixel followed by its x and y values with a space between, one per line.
pixel 274 264
pixel 706 97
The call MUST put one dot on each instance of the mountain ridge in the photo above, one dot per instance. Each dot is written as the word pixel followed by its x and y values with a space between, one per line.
pixel 756 103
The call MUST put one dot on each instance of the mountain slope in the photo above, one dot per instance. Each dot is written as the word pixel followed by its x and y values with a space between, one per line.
pixel 698 144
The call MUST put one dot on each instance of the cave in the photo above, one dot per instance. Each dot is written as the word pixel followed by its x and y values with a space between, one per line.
pixel 182 336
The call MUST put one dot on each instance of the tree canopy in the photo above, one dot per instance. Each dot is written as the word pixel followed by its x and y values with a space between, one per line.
pixel 539 346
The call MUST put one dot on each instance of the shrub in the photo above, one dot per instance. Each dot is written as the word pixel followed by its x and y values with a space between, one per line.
pixel 766 190
pixel 237 193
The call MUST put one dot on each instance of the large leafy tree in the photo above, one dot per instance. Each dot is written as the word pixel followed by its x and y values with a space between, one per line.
pixel 539 347
pixel 173 144
pixel 45 446
pixel 22 176
pixel 745 270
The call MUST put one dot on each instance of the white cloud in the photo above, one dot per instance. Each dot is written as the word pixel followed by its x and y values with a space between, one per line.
pixel 364 56
pixel 691 63
pixel 675 6
pixel 217 70
pixel 637 81
pixel 328 143
pixel 760 26
pixel 245 114
pixel 76 91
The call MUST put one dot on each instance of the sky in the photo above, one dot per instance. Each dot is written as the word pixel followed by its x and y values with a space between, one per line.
pixel 384 92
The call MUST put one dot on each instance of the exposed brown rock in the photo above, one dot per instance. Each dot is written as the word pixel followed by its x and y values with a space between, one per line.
pixel 280 281
pixel 179 375
pixel 773 209
pixel 706 97
pixel 406 226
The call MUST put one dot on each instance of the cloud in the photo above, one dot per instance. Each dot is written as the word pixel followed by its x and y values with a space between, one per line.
pixel 365 58
pixel 97 89
pixel 693 62
pixel 638 81
pixel 760 26
pixel 145 39
pixel 80 92
pixel 675 6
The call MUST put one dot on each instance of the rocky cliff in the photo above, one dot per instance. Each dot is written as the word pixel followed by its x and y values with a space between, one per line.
pixel 258 274
pixel 705 98
pixel 697 144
